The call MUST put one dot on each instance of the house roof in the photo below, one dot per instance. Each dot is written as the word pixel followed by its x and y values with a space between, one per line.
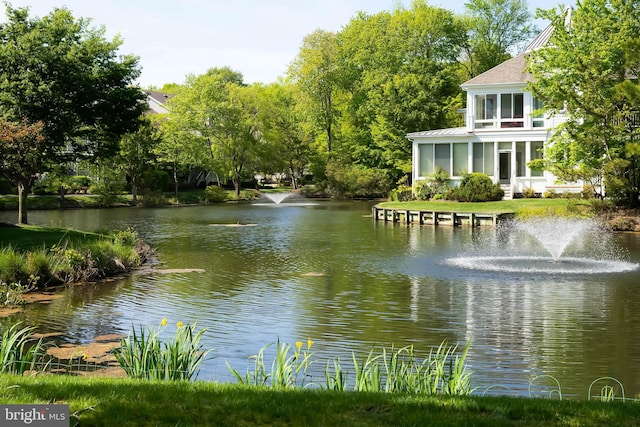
pixel 511 71
pixel 460 131
pixel 541 40
pixel 157 100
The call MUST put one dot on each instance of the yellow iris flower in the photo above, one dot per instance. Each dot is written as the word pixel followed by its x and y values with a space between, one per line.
pixel 163 322
pixel 180 324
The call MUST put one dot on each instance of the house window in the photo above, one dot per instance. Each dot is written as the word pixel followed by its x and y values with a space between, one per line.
pixel 538 113
pixel 486 110
pixel 511 110
pixel 460 158
pixel 425 159
pixel 521 161
pixel 483 157
pixel 443 157
pixel 536 153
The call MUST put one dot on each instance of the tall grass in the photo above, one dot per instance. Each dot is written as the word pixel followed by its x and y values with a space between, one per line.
pixel 13 265
pixel 443 371
pixel 144 355
pixel 69 261
pixel 18 351
pixel 288 370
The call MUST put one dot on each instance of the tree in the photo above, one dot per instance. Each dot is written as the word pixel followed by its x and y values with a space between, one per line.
pixel 495 28
pixel 400 72
pixel 176 146
pixel 21 145
pixel 589 72
pixel 216 112
pixel 136 154
pixel 316 70
pixel 288 144
pixel 58 71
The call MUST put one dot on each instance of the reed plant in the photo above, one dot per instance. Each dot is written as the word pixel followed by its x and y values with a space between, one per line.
pixel 444 371
pixel 145 355
pixel 19 352
pixel 288 368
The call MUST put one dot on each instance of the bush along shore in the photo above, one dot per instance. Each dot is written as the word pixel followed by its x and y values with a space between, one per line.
pixel 34 258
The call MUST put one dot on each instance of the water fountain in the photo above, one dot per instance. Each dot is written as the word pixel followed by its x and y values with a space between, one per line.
pixel 293 198
pixel 547 245
pixel 279 197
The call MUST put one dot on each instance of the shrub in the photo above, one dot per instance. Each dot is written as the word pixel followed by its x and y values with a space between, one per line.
pixel 356 181
pixel 11 294
pixel 476 187
pixel 153 199
pixel 551 194
pixel 214 193
pixel 601 206
pixel 154 180
pixel 402 193
pixel 435 184
pixel 528 193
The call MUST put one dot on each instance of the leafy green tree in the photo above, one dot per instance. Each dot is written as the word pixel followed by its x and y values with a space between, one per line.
pixel 589 72
pixel 58 71
pixel 176 146
pixel 496 27
pixel 21 146
pixel 316 70
pixel 287 142
pixel 136 154
pixel 217 113
pixel 400 70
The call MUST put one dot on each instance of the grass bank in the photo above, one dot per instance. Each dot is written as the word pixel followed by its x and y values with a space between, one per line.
pixel 126 402
pixel 29 237
pixel 35 257
pixel 79 201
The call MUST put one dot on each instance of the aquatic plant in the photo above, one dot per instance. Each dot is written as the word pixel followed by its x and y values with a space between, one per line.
pixel 442 371
pixel 144 355
pixel 287 370
pixel 19 352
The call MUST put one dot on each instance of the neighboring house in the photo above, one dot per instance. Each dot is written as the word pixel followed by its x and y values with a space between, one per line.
pixel 156 101
pixel 502 133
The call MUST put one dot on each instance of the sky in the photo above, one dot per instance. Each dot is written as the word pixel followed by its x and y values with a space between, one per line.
pixel 259 38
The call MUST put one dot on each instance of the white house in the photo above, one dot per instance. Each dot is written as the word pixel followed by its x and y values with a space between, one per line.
pixel 502 132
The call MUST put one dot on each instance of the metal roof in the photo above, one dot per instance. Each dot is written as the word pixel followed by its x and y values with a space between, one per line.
pixel 460 131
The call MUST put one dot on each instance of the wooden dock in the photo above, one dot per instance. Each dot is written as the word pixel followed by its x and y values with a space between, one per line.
pixel 435 218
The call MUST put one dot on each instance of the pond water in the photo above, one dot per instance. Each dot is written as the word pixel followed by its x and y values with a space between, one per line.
pixel 327 271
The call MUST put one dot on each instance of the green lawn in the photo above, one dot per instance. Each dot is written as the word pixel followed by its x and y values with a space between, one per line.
pixel 33 237
pixel 125 402
pixel 503 206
